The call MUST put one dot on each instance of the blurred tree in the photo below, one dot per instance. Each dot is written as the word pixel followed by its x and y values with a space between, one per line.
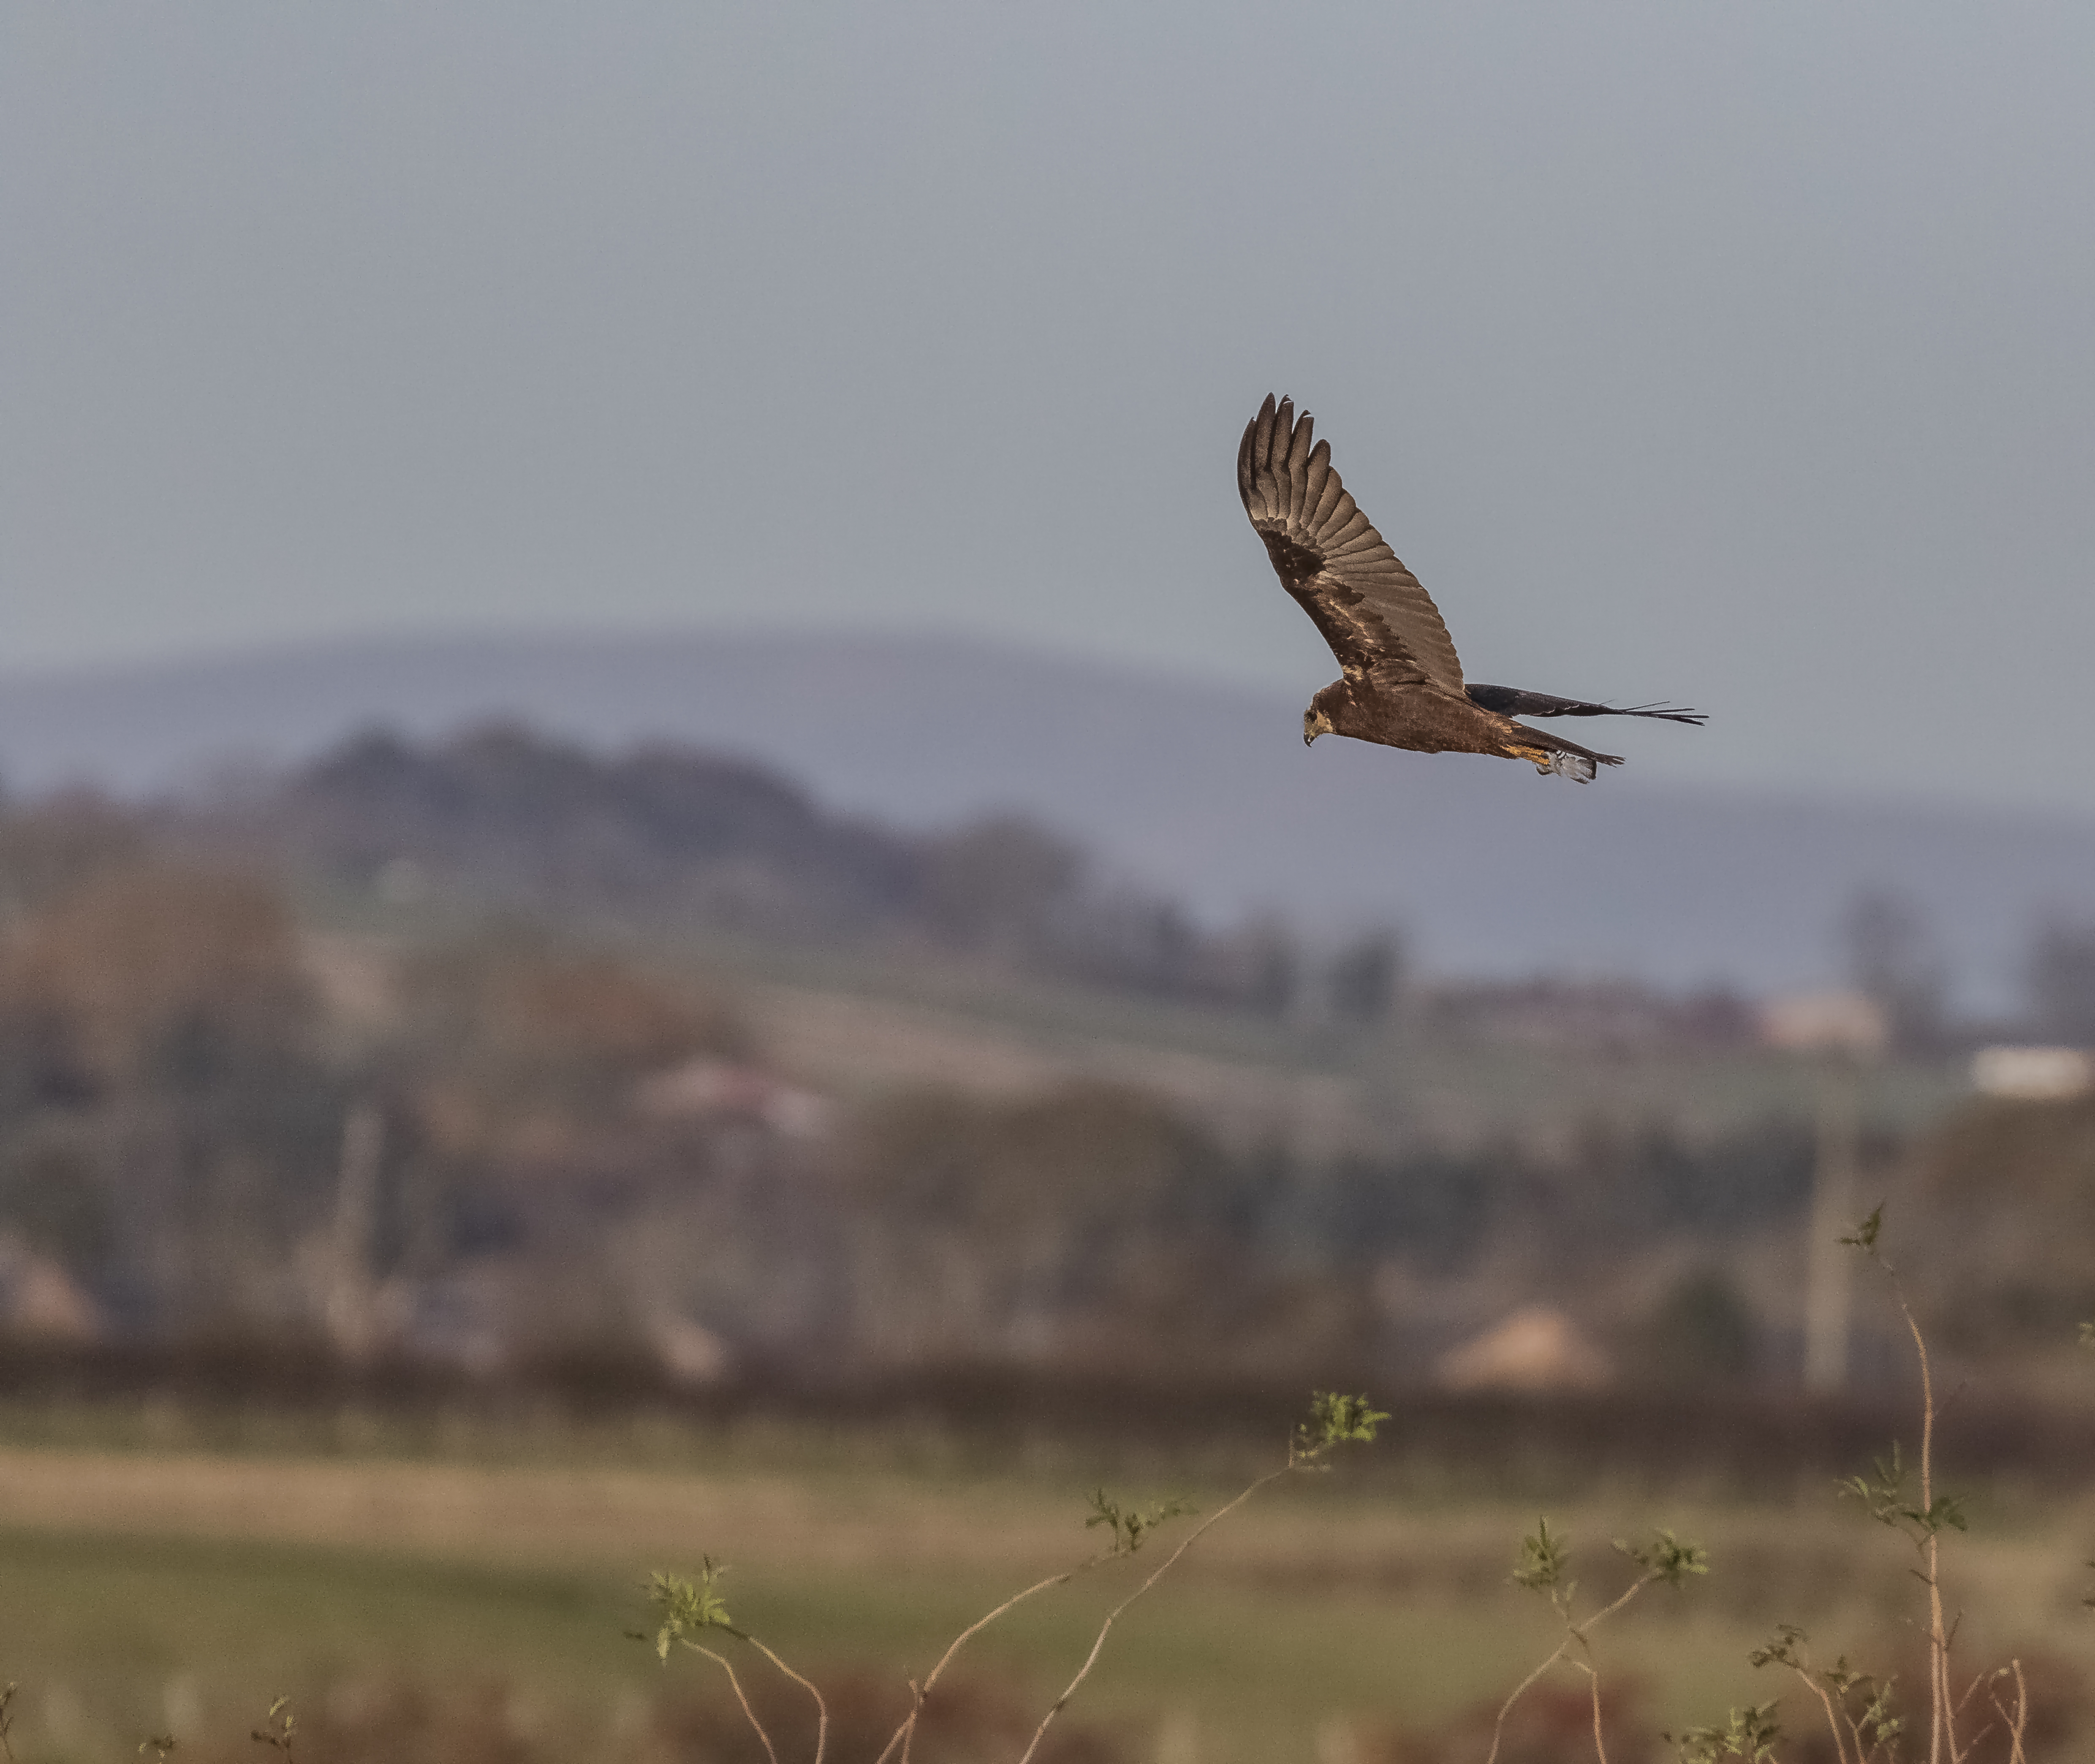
pixel 1087 1159
pixel 169 1102
pixel 2005 1220
pixel 999 1224
pixel 1894 962
pixel 501 1036
pixel 1093 1159
pixel 2059 982
pixel 53 1192
pixel 1365 976
pixel 49 848
pixel 1256 968
pixel 1002 885
pixel 1702 1333
pixel 160 974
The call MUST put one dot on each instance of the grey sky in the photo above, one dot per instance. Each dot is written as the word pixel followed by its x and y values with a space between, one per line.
pixel 1740 354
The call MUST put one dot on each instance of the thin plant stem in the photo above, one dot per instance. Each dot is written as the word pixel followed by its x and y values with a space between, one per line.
pixel 904 1734
pixel 1091 1660
pixel 1601 1616
pixel 1577 1632
pixel 821 1708
pixel 2020 1720
pixel 1832 1720
pixel 1983 1681
pixel 1941 1728
pixel 1593 1684
pixel 1521 1690
pixel 722 1660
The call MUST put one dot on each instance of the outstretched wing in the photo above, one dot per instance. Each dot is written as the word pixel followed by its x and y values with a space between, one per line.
pixel 1378 621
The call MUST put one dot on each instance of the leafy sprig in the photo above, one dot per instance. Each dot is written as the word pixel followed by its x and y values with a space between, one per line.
pixel 1334 1420
pixel 1666 1558
pixel 278 1730
pixel 1884 1497
pixel 689 1605
pixel 1129 1526
pixel 1752 1733
pixel 1864 1237
pixel 1545 1559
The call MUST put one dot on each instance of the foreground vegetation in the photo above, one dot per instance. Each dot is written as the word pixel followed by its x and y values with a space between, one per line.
pixel 1324 1620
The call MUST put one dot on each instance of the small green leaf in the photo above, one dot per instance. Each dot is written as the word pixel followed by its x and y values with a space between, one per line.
pixel 1334 1420
pixel 1666 1559
pixel 1864 1236
pixel 1751 1733
pixel 1130 1527
pixel 1785 1649
pixel 1947 1510
pixel 1544 1558
pixel 688 1606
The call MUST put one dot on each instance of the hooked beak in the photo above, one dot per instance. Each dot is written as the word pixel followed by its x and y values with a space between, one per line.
pixel 1309 738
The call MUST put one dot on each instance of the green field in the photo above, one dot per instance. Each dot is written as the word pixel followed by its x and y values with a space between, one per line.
pixel 141 1590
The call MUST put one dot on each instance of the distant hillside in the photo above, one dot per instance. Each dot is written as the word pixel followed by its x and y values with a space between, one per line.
pixel 1204 791
pixel 661 833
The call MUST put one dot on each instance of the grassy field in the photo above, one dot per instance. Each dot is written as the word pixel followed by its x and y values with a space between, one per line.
pixel 142 1588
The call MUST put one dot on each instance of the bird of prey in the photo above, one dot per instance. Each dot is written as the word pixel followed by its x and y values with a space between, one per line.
pixel 1401 685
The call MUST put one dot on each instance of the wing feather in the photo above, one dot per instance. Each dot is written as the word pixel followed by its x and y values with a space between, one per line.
pixel 1373 612
pixel 1298 471
pixel 1262 459
pixel 1325 489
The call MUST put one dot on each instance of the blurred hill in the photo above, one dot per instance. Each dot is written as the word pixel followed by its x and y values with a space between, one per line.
pixel 1197 789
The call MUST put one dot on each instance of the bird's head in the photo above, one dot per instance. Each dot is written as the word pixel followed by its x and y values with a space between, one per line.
pixel 1315 722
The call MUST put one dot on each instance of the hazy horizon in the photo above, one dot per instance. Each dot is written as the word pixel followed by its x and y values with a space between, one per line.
pixel 1640 774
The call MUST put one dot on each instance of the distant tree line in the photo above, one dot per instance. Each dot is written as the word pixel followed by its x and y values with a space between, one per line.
pixel 506 816
pixel 182 1069
pixel 571 1141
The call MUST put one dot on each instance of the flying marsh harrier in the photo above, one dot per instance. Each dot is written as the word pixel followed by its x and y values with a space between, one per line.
pixel 1402 684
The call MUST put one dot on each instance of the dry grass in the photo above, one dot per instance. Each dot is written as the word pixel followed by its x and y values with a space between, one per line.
pixel 125 1573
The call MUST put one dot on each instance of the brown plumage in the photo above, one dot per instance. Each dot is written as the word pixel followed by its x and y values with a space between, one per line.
pixel 1402 684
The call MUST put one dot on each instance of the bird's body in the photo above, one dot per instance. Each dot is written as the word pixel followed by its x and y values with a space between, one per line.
pixel 1402 684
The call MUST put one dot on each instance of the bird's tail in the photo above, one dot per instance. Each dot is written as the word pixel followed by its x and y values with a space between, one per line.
pixel 1567 759
pixel 1511 701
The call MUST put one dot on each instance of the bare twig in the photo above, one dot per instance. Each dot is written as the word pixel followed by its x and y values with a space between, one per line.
pixel 722 1660
pixel 1521 1690
pixel 906 1733
pixel 821 1708
pixel 1832 1719
pixel 1941 1733
pixel 1164 1568
pixel 1928 1520
pixel 1574 1632
pixel 2015 1723
pixel 1593 1684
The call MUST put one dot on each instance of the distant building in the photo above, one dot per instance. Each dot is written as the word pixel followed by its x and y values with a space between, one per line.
pixel 689 1352
pixel 1825 1022
pixel 38 1297
pixel 2033 1074
pixel 724 1091
pixel 1559 1012
pixel 1537 1348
